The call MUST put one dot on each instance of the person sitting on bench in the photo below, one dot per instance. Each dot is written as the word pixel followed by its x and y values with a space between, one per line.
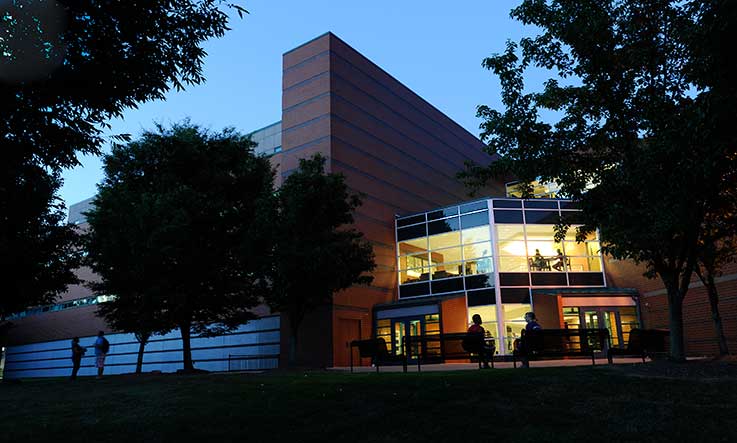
pixel 531 326
pixel 477 330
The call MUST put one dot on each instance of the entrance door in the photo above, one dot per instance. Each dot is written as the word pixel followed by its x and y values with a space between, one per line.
pixel 346 330
pixel 604 319
pixel 403 327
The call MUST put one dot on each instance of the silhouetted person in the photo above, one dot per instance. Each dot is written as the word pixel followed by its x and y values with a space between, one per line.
pixel 560 259
pixel 77 354
pixel 539 261
pixel 102 346
pixel 479 333
pixel 530 328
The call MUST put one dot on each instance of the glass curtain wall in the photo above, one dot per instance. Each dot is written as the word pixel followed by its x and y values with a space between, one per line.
pixel 446 250
pixel 532 248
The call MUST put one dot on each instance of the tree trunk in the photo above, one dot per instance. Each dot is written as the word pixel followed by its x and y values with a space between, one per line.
pixel 293 340
pixel 185 329
pixel 711 288
pixel 292 349
pixel 142 341
pixel 675 323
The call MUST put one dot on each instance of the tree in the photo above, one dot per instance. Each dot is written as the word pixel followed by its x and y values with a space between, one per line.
pixel 136 313
pixel 717 249
pixel 635 141
pixel 37 251
pixel 65 69
pixel 316 253
pixel 179 231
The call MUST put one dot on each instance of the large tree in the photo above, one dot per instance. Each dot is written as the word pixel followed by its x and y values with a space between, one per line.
pixel 637 127
pixel 181 224
pixel 37 251
pixel 66 67
pixel 316 250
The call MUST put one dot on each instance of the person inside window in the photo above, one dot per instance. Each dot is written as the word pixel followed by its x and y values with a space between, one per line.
pixel 560 260
pixel 540 262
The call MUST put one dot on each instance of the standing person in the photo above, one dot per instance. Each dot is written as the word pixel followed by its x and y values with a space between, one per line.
pixel 478 333
pixel 102 346
pixel 530 328
pixel 77 353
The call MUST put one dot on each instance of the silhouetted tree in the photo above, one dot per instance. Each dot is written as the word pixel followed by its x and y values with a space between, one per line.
pixel 66 67
pixel 316 250
pixel 644 97
pixel 179 231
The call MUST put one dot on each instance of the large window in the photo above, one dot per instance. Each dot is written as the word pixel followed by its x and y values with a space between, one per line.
pixel 488 320
pixel 445 244
pixel 514 323
pixel 532 248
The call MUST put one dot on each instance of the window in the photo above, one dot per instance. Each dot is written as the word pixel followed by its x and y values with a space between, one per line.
pixel 445 240
pixel 413 246
pixel 445 252
pixel 440 226
pixel 513 323
pixel 475 235
pixel 488 320
pixel 446 255
pixel 476 250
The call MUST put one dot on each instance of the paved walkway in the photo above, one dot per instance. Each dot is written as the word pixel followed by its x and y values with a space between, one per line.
pixel 497 365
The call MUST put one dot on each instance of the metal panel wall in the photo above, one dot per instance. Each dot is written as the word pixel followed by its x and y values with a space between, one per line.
pixel 252 346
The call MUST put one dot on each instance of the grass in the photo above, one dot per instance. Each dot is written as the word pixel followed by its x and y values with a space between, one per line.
pixel 543 404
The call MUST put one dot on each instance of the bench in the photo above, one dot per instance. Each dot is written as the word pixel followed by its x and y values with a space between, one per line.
pixel 642 343
pixel 376 350
pixel 562 343
pixel 438 348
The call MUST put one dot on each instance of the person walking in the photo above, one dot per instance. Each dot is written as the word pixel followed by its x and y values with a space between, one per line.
pixel 77 354
pixel 102 347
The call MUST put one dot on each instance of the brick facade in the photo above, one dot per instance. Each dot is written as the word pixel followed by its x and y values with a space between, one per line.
pixel 699 331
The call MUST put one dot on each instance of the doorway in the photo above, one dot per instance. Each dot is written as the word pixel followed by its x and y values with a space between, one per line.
pixel 619 321
pixel 415 326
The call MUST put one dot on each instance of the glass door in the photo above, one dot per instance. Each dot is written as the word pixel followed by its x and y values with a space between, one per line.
pixel 593 320
pixel 609 320
pixel 605 318
pixel 412 327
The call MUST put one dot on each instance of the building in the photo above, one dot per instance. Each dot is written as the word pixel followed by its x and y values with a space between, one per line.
pixel 497 257
pixel 440 258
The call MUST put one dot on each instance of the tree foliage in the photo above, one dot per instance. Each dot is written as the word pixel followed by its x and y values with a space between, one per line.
pixel 316 252
pixel 180 231
pixel 37 251
pixel 644 101
pixel 66 67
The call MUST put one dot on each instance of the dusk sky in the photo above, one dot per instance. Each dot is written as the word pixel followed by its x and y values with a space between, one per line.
pixel 435 48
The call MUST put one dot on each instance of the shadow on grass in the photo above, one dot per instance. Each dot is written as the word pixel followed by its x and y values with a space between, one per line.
pixel 544 404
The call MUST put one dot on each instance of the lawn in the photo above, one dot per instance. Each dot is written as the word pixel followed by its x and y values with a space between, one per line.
pixel 540 404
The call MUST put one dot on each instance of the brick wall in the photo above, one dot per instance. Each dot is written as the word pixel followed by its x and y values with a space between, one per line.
pixel 699 331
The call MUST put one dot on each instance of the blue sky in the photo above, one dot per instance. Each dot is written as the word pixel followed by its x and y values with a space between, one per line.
pixel 433 47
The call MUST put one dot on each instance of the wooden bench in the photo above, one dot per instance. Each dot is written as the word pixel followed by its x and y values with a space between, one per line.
pixel 562 343
pixel 438 348
pixel 377 351
pixel 642 343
